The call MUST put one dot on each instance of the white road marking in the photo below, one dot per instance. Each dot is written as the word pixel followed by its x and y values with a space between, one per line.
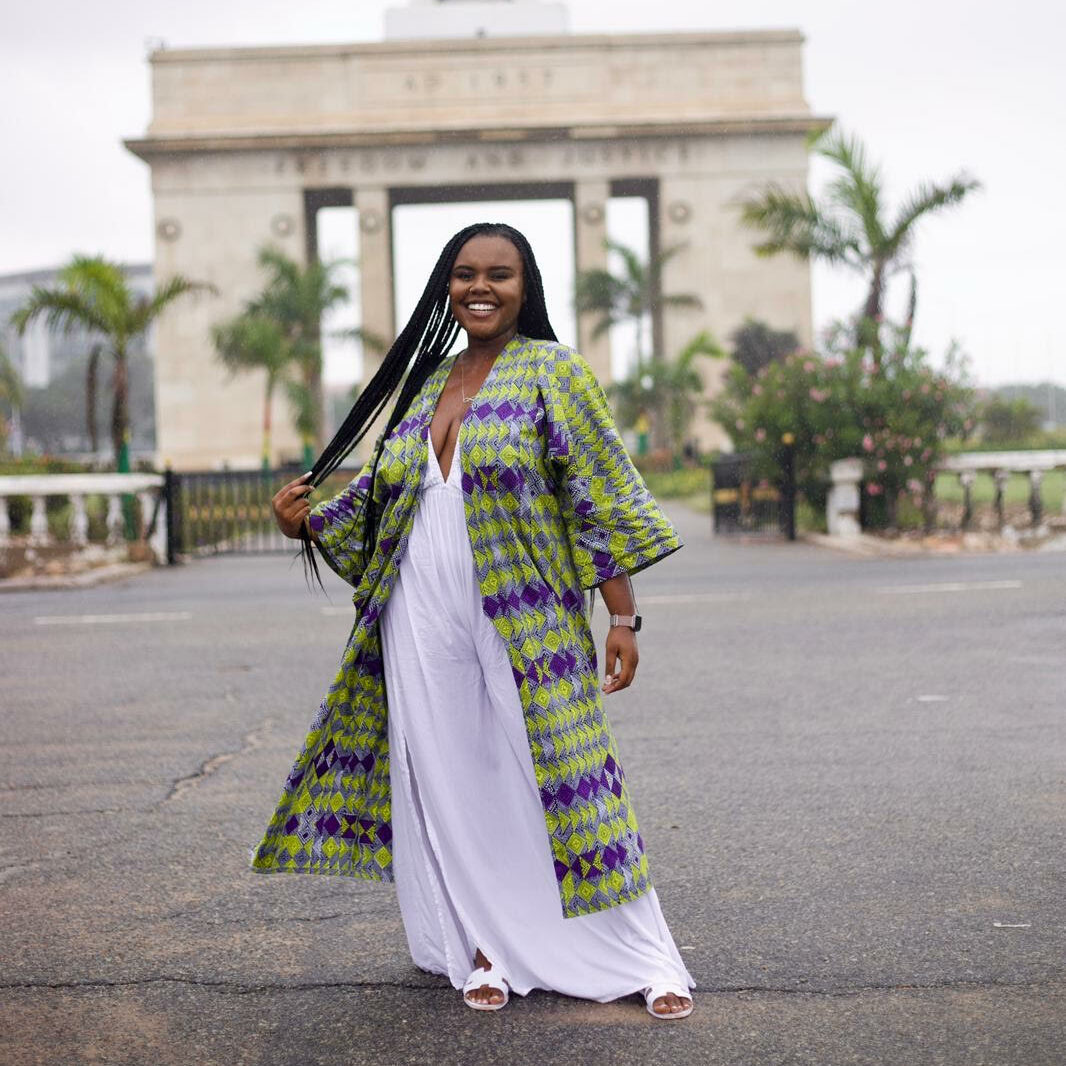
pixel 951 586
pixel 1012 925
pixel 932 699
pixel 110 619
pixel 696 597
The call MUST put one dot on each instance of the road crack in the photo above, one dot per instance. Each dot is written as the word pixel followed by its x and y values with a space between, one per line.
pixel 249 742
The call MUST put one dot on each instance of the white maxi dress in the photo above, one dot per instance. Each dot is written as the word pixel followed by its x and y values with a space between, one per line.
pixel 472 863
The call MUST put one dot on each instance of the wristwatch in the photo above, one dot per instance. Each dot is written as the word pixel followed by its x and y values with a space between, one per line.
pixel 631 620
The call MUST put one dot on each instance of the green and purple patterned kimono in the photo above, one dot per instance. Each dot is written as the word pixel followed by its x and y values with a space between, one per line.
pixel 554 506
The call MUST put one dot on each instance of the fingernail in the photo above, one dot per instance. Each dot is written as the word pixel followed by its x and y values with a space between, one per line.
pixel 309 473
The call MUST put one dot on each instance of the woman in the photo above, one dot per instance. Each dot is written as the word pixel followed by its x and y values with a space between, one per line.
pixel 490 789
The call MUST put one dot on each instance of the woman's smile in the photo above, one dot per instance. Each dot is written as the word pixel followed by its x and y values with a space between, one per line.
pixel 486 289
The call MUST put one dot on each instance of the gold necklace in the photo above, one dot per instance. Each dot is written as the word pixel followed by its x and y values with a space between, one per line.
pixel 462 384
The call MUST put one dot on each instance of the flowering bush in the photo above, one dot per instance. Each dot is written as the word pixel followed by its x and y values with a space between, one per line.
pixel 895 412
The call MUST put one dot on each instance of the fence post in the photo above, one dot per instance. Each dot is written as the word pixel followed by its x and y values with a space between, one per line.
pixel 788 485
pixel 172 515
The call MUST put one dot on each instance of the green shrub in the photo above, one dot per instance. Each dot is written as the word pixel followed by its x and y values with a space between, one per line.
pixel 896 413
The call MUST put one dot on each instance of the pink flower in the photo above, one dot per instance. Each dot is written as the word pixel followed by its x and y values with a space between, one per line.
pixel 873 489
pixel 927 455
pixel 867 443
pixel 818 395
pixel 882 465
pixel 808 366
pixel 914 486
pixel 760 435
pixel 925 389
pixel 756 390
pixel 907 460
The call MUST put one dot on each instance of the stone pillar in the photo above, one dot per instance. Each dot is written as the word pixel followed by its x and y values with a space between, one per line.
pixel 376 298
pixel 842 507
pixel 590 253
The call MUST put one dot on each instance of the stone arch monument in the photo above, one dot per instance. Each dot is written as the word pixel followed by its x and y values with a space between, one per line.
pixel 245 144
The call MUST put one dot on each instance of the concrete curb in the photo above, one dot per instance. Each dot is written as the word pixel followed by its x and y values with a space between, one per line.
pixel 101 575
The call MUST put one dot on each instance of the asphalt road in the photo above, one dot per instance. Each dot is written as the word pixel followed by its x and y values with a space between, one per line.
pixel 850 775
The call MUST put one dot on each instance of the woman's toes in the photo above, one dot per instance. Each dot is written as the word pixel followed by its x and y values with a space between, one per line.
pixel 669 1004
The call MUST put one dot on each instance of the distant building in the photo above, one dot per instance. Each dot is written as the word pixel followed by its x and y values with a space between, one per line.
pixel 41 355
pixel 55 421
pixel 440 19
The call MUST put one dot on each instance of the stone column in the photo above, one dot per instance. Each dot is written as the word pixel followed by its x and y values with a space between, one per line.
pixel 590 253
pixel 376 297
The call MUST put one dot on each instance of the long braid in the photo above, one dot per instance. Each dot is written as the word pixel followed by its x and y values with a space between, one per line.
pixel 420 348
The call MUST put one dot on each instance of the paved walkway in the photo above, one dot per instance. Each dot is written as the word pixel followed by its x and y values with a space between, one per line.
pixel 849 772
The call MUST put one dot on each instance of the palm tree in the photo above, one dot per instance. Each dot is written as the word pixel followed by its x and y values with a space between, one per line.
pixel 850 225
pixel 93 295
pixel 296 297
pixel 252 341
pixel 632 296
pixel 668 391
pixel 11 394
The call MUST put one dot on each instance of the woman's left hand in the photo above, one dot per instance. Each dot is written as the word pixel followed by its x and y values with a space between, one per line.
pixel 621 660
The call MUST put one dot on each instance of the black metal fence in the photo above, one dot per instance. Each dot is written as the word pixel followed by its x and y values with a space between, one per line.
pixel 744 504
pixel 224 512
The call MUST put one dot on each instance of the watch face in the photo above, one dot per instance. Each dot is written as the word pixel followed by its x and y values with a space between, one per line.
pixel 637 620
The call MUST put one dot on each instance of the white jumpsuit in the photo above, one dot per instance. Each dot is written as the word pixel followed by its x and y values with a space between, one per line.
pixel 471 853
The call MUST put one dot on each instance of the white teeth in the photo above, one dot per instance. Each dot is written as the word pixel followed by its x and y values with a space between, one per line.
pixel 481 307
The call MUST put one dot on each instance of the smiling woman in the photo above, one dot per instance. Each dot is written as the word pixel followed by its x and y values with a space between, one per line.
pixel 463 749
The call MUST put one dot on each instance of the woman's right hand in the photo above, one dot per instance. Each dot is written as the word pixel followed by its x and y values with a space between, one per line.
pixel 291 506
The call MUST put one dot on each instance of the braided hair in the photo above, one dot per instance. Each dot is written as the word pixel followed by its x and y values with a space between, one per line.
pixel 420 348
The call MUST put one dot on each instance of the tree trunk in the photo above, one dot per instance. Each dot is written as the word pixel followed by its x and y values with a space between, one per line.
pixel 869 331
pixel 267 404
pixel 91 377
pixel 120 412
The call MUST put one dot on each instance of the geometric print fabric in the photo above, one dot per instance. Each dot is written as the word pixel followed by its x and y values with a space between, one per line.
pixel 553 507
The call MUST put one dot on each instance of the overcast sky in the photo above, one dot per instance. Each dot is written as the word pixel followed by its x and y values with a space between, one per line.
pixel 932 88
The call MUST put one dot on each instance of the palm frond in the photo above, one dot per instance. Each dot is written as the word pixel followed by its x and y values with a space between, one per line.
pixel 635 270
pixel 795 223
pixel 250 342
pixel 366 337
pixel 63 311
pixel 926 199
pixel 145 312
pixel 100 283
pixel 702 343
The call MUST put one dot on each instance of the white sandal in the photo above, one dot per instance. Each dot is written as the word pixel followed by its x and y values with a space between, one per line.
pixel 654 992
pixel 492 977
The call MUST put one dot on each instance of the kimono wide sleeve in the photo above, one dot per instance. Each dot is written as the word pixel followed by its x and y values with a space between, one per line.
pixel 613 524
pixel 337 525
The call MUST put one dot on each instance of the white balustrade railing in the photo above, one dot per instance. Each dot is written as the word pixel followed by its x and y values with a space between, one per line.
pixel 1001 465
pixel 148 488
pixel 842 508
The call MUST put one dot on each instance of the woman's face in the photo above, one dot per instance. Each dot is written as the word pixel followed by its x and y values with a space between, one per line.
pixel 486 288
